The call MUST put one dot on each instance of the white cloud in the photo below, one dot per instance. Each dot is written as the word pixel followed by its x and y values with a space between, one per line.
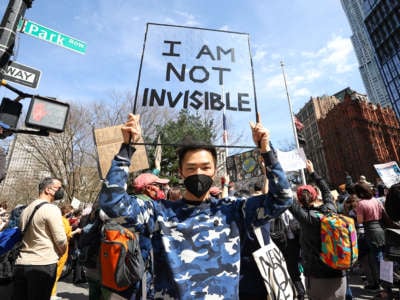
pixel 338 51
pixel 225 27
pixel 169 20
pixel 302 92
pixel 274 82
pixel 259 55
pixel 335 54
pixel 188 18
pixel 276 56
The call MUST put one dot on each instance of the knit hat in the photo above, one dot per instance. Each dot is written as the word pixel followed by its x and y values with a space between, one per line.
pixel 145 179
pixel 308 188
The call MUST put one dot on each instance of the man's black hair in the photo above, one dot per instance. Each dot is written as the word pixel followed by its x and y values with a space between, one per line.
pixel 46 182
pixel 189 144
pixel 257 187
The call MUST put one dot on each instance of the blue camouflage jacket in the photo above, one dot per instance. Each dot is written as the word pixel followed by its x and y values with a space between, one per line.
pixel 196 247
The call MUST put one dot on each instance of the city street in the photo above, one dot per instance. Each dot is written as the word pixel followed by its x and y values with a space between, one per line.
pixel 67 290
pixel 70 291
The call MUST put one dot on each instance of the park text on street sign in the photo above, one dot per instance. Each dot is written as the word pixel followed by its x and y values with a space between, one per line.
pixel 21 74
pixel 49 35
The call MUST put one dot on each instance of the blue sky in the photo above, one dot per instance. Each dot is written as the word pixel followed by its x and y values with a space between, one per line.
pixel 312 38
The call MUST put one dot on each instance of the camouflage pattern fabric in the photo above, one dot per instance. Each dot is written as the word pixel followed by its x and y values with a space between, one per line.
pixel 196 247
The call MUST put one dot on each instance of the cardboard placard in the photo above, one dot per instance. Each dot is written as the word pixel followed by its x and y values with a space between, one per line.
pixel 108 142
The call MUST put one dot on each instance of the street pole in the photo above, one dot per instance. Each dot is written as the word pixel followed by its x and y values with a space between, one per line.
pixel 303 177
pixel 8 29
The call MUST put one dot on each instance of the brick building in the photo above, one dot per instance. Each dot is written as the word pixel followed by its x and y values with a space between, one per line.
pixel 357 134
pixel 309 114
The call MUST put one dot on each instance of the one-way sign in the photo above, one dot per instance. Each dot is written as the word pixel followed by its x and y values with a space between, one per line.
pixel 21 74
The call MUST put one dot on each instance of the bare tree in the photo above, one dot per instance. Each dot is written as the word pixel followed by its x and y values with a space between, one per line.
pixel 72 155
pixel 69 155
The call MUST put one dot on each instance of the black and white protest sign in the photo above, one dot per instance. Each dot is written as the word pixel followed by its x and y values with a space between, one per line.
pixel 198 69
pixel 272 266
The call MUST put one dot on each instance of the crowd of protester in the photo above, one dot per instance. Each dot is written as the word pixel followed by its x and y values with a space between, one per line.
pixel 61 235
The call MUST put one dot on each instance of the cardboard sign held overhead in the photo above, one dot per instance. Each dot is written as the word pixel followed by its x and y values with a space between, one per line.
pixel 108 142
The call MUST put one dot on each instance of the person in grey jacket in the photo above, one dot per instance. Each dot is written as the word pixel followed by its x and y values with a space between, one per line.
pixel 322 282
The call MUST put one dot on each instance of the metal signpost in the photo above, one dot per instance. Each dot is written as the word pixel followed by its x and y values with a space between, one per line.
pixel 49 35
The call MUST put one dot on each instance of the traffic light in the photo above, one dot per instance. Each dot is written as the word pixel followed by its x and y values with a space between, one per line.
pixel 47 114
pixel 9 112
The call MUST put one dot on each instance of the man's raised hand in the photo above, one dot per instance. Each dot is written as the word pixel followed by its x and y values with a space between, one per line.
pixel 260 135
pixel 131 130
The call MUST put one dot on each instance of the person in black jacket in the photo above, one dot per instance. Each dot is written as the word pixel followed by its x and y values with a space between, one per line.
pixel 322 282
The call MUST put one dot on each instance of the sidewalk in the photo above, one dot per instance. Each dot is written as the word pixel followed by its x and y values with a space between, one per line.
pixel 357 288
pixel 69 291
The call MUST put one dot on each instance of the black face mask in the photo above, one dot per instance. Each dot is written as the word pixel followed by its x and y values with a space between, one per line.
pixel 59 194
pixel 198 185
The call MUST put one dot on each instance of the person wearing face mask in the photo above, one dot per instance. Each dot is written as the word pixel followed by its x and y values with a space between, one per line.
pixel 150 186
pixel 196 240
pixel 42 245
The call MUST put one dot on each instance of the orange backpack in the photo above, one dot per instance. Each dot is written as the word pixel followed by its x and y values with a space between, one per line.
pixel 121 261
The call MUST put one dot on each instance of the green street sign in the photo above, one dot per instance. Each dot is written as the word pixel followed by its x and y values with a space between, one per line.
pixel 51 36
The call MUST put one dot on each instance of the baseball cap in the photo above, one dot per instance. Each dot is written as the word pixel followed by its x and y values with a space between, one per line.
pixel 147 178
pixel 215 191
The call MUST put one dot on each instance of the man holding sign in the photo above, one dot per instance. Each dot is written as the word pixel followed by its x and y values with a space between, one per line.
pixel 196 240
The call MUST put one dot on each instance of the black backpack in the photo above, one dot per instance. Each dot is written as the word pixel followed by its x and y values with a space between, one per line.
pixel 277 232
pixel 89 242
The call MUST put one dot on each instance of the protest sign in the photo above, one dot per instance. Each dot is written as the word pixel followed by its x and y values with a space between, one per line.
pixel 292 160
pixel 108 141
pixel 272 266
pixel 75 203
pixel 243 166
pixel 388 172
pixel 200 70
pixel 386 270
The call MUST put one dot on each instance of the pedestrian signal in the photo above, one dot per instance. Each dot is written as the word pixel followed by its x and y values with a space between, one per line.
pixel 47 114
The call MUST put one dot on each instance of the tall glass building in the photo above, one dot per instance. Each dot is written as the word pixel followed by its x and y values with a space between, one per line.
pixel 376 39
pixel 369 70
